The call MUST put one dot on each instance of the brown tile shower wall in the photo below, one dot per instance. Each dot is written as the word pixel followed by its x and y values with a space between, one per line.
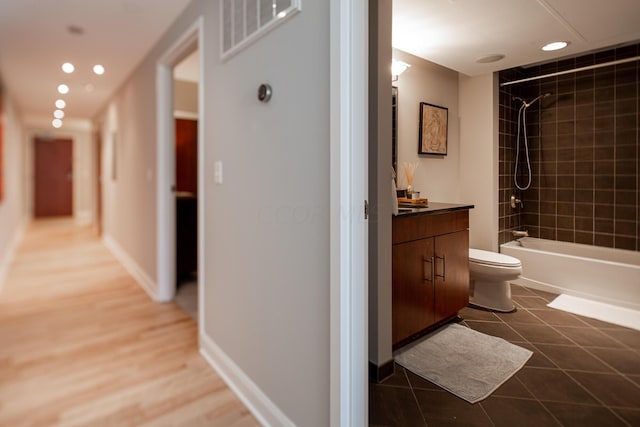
pixel 584 152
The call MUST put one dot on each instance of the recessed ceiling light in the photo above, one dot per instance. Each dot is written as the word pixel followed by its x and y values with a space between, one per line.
pixel 60 103
pixel 494 57
pixel 68 67
pixel 58 114
pixel 63 89
pixel 56 123
pixel 554 46
pixel 98 69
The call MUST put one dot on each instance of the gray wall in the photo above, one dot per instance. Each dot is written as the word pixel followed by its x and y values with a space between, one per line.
pixel 380 182
pixel 437 177
pixel 266 236
pixel 185 96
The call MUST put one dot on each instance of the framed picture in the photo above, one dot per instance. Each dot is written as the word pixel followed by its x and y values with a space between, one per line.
pixel 433 129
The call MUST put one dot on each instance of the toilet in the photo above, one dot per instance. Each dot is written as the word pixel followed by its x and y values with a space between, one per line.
pixel 489 274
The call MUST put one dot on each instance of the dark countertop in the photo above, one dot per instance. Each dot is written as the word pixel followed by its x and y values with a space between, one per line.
pixel 433 208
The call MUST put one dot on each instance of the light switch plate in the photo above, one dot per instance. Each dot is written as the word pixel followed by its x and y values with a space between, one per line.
pixel 217 172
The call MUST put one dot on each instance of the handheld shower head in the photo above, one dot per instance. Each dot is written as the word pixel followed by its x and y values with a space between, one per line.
pixel 526 104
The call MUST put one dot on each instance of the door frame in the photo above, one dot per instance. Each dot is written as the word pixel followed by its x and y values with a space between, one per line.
pixel 349 65
pixel 166 216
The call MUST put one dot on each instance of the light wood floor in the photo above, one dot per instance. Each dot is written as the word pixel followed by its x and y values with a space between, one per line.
pixel 82 344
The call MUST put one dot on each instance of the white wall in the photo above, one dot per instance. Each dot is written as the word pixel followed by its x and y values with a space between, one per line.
pixel 185 99
pixel 437 177
pixel 266 236
pixel 12 207
pixel 128 136
pixel 479 157
pixel 268 266
pixel 468 173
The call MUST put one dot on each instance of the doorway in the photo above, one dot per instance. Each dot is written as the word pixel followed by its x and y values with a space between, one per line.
pixel 186 185
pixel 168 93
pixel 53 174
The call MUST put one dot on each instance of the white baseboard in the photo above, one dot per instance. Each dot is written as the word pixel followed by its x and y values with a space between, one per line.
pixel 265 411
pixel 9 255
pixel 143 279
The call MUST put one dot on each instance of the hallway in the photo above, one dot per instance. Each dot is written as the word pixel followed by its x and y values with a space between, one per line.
pixel 82 344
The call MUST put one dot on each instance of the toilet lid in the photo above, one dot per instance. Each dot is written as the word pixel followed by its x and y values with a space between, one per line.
pixel 492 258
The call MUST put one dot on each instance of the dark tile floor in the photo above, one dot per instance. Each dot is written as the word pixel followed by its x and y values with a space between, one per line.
pixel 583 372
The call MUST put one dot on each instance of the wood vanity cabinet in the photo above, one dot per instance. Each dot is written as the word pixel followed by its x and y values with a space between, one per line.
pixel 430 271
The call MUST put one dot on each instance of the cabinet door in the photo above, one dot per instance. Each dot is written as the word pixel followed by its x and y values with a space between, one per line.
pixel 413 290
pixel 452 274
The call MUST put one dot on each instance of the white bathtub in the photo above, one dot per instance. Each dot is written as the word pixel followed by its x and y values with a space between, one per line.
pixel 597 273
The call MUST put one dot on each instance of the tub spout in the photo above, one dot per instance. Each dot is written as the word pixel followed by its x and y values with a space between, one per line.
pixel 520 233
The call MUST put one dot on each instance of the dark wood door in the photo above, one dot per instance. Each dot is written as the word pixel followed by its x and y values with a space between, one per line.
pixel 53 177
pixel 452 274
pixel 186 197
pixel 413 289
pixel 187 156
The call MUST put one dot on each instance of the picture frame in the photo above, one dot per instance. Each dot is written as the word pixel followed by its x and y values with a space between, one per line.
pixel 433 129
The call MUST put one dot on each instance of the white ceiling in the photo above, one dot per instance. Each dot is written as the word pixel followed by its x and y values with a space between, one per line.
pixel 454 33
pixel 35 41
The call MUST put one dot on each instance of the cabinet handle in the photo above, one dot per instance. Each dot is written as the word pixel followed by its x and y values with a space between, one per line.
pixel 432 269
pixel 444 267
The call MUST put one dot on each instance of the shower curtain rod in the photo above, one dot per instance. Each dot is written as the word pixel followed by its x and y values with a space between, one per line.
pixel 575 70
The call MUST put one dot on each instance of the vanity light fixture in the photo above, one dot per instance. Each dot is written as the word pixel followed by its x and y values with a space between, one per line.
pixel 549 47
pixel 397 68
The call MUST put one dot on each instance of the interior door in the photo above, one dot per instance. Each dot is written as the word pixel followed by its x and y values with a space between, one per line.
pixel 187 156
pixel 53 177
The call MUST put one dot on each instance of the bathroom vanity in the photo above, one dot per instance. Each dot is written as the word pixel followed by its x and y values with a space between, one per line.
pixel 430 268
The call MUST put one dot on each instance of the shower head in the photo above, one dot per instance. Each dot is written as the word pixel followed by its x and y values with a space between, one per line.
pixel 526 104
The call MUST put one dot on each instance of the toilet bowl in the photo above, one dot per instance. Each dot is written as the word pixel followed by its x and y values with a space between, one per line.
pixel 489 276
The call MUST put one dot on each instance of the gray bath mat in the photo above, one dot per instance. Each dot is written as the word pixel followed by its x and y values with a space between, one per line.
pixel 469 364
